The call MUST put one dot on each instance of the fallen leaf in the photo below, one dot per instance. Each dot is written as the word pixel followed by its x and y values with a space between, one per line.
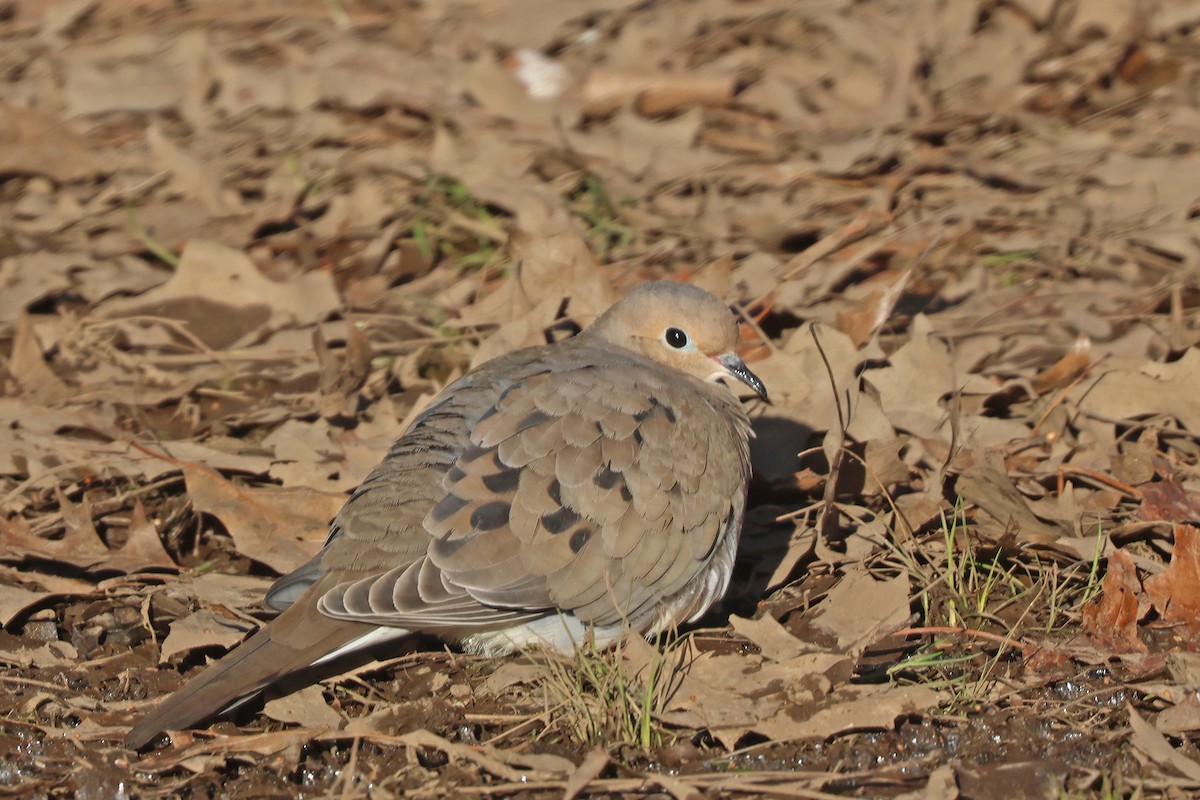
pixel 203 628
pixel 143 548
pixel 772 639
pixel 850 708
pixel 1167 501
pixel 1111 620
pixel 305 707
pixel 861 609
pixel 1155 388
pixel 1176 592
pixel 222 296
pixel 281 528
pixel 1151 742
pixel 14 601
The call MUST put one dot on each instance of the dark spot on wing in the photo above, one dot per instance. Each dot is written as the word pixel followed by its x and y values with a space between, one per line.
pixel 491 412
pixel 472 453
pixel 607 477
pixel 450 505
pixel 455 475
pixel 504 395
pixel 579 539
pixel 560 520
pixel 502 482
pixel 533 419
pixel 626 495
pixel 644 414
pixel 637 437
pixel 490 516
pixel 555 492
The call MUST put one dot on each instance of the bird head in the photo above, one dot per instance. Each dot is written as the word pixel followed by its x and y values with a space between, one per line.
pixel 681 326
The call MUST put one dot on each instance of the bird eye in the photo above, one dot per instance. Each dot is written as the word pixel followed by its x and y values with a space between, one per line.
pixel 676 338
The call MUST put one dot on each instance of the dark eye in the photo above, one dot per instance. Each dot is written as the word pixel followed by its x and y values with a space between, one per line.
pixel 676 338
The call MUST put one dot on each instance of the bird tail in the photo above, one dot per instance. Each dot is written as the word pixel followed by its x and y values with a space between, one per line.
pixel 294 641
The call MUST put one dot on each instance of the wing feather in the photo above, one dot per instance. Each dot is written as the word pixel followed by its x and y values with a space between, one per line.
pixel 597 491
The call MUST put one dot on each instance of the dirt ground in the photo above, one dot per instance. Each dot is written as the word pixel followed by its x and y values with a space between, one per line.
pixel 241 244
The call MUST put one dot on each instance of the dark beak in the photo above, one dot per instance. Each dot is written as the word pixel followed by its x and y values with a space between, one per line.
pixel 738 369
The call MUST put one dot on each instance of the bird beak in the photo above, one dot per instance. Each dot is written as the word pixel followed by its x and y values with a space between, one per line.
pixel 738 369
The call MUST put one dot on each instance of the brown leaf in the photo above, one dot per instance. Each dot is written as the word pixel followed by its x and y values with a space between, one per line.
pixel 281 528
pixel 1111 620
pixel 14 600
pixel 204 628
pixel 1176 592
pixel 222 296
pixel 1153 389
pixel 604 91
pixel 28 364
pixel 849 708
pixel 1167 500
pixel 1002 511
pixel 32 141
pixel 79 545
pixel 1149 740
pixel 143 549
pixel 860 609
pixel 772 639
pixel 306 707
pixel 1066 369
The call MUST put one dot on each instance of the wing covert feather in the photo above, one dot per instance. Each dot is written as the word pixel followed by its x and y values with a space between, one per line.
pixel 596 490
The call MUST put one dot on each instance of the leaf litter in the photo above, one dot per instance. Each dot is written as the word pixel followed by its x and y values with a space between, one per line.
pixel 242 246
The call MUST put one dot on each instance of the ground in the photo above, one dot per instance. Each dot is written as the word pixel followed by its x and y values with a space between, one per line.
pixel 242 244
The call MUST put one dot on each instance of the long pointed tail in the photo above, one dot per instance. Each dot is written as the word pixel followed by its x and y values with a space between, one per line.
pixel 297 639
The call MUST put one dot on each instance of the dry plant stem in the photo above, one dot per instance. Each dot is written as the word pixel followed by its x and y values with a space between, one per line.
pixel 525 724
pixel 28 482
pixel 347 776
pixel 1124 488
pixel 31 682
pixel 1026 649
pixel 175 325
pixel 863 225
pixel 827 522
pixel 102 508
pixel 639 785
pixel 909 530
pixel 754 326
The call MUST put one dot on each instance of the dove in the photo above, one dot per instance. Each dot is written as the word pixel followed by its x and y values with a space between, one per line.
pixel 592 487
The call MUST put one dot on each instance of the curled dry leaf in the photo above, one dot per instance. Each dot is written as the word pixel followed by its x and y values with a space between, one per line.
pixel 1066 369
pixel 1176 592
pixel 604 91
pixel 1111 620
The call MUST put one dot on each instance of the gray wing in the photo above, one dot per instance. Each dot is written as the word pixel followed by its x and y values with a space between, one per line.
pixel 598 490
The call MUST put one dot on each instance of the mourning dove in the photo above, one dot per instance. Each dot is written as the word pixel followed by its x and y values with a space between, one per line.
pixel 591 487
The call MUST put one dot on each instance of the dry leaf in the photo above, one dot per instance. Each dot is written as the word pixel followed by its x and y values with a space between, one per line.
pixel 1111 620
pixel 281 528
pixel 305 707
pixel 1176 592
pixel 203 628
pixel 861 609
